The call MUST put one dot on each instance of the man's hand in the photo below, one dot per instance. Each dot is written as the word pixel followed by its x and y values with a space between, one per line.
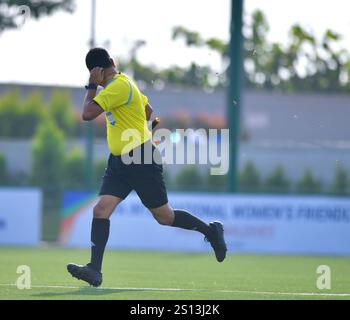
pixel 91 109
pixel 96 76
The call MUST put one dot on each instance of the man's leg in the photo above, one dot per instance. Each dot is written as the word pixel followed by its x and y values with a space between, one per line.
pixel 91 273
pixel 165 215
pixel 148 182
pixel 100 229
pixel 213 232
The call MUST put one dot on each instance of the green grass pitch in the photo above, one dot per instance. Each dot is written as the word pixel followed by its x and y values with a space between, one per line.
pixel 160 275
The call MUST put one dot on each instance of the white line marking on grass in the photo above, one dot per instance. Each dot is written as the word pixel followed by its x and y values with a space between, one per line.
pixel 192 290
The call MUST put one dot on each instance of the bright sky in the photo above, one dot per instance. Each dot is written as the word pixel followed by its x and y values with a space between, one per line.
pixel 52 50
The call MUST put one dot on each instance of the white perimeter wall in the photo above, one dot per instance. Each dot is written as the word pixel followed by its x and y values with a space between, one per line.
pixel 20 217
pixel 254 224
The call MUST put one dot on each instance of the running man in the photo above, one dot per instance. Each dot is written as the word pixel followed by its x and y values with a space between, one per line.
pixel 126 108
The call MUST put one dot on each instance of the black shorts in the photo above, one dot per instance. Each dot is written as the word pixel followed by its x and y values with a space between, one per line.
pixel 146 179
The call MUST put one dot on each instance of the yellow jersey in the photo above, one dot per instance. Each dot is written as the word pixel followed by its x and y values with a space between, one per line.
pixel 125 108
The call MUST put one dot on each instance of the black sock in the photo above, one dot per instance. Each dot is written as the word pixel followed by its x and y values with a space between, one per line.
pixel 99 238
pixel 185 220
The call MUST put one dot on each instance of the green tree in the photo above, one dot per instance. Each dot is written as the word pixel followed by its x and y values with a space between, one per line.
pixel 73 170
pixel 308 184
pixel 194 39
pixel 10 109
pixel 189 179
pixel 340 185
pixel 20 119
pixel 277 182
pixel 304 63
pixel 249 178
pixel 32 113
pixel 47 173
pixel 216 183
pixel 38 8
pixel 48 157
pixel 256 50
pixel 62 111
pixel 3 172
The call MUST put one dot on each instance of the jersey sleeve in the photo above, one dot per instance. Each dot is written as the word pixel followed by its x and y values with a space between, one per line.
pixel 113 96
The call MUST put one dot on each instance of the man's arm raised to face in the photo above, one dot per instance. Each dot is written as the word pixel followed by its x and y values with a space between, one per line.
pixel 91 109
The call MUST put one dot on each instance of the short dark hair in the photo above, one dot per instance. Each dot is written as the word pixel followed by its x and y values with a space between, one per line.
pixel 98 57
